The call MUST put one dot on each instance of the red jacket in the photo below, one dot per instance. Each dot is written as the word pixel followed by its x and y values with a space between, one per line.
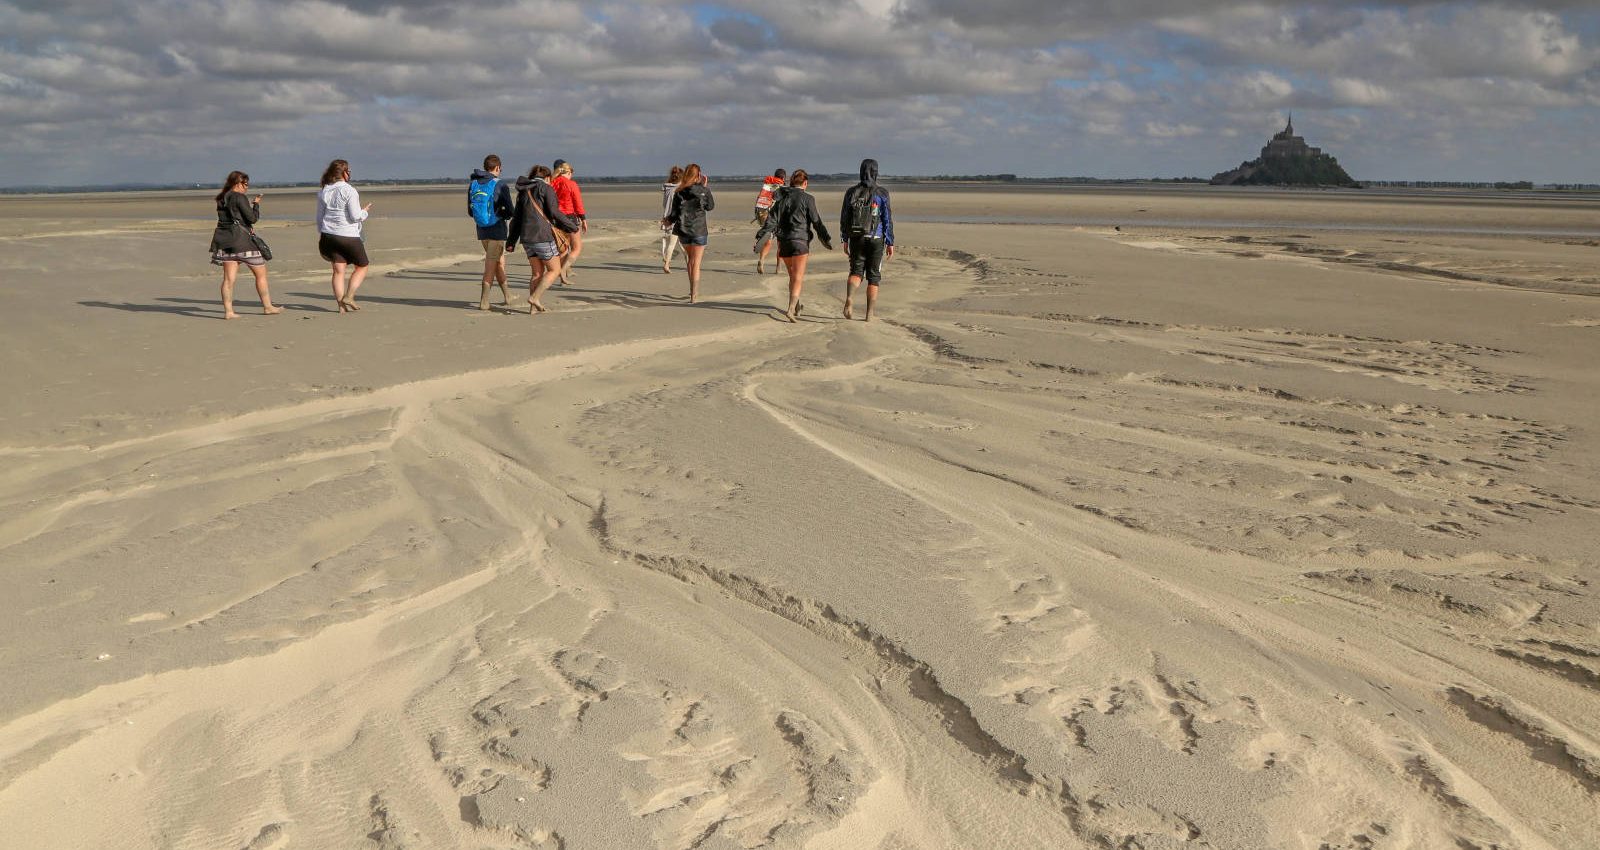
pixel 568 196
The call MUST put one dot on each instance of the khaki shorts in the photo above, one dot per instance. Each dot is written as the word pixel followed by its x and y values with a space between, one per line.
pixel 493 249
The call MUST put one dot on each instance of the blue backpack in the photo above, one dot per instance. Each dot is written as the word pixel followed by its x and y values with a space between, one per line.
pixel 480 202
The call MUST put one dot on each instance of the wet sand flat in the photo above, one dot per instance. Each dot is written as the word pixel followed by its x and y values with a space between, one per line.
pixel 1168 519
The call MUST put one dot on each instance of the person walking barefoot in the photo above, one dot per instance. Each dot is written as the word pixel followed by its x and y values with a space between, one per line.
pixel 790 223
pixel 538 215
pixel 489 204
pixel 339 218
pixel 868 230
pixel 669 240
pixel 688 219
pixel 232 243
pixel 766 199
pixel 571 200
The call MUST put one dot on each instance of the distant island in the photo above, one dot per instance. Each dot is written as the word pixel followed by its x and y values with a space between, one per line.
pixel 1288 161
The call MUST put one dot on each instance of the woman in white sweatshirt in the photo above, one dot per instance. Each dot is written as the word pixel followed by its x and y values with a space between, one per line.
pixel 669 240
pixel 339 217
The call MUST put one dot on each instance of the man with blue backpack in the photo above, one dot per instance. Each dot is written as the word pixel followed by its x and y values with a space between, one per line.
pixel 868 230
pixel 490 205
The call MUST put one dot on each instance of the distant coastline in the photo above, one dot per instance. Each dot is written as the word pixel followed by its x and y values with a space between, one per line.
pixel 841 178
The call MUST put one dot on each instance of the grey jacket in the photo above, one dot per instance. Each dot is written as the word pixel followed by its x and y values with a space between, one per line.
pixel 527 226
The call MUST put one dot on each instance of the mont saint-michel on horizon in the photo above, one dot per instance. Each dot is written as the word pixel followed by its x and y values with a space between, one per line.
pixel 1287 160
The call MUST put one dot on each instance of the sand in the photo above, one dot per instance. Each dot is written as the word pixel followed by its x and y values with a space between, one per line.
pixel 1158 518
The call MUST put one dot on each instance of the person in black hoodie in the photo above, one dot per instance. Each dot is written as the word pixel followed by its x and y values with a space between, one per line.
pixel 492 237
pixel 868 229
pixel 791 220
pixel 687 217
pixel 538 215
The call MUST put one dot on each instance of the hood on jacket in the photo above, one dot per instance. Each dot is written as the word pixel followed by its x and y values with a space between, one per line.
pixel 479 175
pixel 525 182
pixel 869 172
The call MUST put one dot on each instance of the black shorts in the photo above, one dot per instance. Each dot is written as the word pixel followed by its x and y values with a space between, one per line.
pixel 866 258
pixel 343 249
pixel 794 247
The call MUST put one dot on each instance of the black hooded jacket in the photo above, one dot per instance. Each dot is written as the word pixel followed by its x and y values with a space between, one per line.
pixel 688 212
pixel 527 226
pixel 869 183
pixel 793 217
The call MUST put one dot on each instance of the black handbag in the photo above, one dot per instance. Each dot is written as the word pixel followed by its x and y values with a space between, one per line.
pixel 261 244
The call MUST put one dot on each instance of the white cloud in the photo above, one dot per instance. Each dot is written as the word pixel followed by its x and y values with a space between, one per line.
pixel 745 80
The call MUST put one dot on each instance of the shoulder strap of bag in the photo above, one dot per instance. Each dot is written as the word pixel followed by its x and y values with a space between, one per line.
pixel 228 208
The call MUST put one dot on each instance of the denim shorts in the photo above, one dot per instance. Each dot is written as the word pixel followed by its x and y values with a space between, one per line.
pixel 693 240
pixel 542 250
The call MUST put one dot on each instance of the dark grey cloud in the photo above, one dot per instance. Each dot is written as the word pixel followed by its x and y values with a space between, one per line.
pixel 1033 86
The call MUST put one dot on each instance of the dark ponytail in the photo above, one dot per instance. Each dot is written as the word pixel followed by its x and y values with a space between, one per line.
pixel 234 179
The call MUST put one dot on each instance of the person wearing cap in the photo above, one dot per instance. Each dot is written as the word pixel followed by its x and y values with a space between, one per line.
pixel 571 201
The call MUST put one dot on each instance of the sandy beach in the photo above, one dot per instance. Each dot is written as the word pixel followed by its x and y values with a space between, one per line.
pixel 1137 518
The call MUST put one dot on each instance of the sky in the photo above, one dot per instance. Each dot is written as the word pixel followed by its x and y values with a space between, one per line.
pixel 162 91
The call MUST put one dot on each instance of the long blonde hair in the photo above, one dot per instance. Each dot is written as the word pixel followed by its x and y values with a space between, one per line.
pixel 563 168
pixel 691 175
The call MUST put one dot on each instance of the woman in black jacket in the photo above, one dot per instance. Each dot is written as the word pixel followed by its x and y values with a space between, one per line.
pixel 537 218
pixel 687 217
pixel 792 220
pixel 232 242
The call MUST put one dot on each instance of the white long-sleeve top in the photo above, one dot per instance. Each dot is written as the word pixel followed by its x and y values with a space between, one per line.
pixel 339 210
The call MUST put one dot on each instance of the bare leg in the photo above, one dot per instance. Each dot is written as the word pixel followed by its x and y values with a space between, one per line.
pixel 538 281
pixel 230 271
pixel 797 279
pixel 872 299
pixel 488 280
pixel 572 256
pixel 762 259
pixel 850 294
pixel 500 278
pixel 669 246
pixel 356 277
pixel 552 272
pixel 691 256
pixel 338 284
pixel 262 292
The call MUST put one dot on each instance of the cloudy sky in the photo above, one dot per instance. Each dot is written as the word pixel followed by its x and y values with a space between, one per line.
pixel 98 91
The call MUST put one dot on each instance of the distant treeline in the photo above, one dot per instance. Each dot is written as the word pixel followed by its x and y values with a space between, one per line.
pixel 841 177
pixel 1517 185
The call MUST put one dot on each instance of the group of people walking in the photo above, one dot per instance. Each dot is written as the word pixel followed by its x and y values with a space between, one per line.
pixel 544 213
pixel 339 218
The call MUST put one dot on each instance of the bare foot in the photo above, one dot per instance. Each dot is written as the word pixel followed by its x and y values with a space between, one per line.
pixel 270 310
pixel 351 303
pixel 847 312
pixel 759 269
pixel 536 307
pixel 483 303
pixel 790 317
pixel 230 315
pixel 666 269
pixel 799 307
